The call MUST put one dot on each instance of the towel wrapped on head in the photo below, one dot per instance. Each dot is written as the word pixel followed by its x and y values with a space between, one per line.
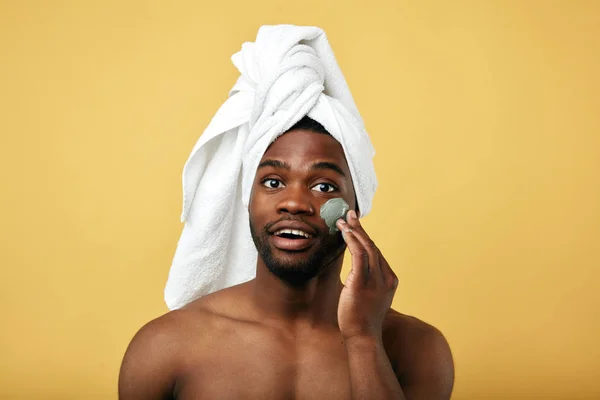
pixel 289 72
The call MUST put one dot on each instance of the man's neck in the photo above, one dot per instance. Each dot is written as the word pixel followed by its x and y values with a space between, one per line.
pixel 306 306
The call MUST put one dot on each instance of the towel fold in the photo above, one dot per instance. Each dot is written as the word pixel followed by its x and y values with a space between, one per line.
pixel 287 73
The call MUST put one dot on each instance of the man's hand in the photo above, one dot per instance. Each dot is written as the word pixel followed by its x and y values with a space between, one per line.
pixel 370 286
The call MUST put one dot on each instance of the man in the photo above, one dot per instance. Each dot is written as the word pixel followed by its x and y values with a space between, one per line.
pixel 258 308
pixel 295 331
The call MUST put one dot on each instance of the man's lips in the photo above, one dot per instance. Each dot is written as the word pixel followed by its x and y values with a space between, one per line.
pixel 298 244
pixel 292 225
pixel 280 232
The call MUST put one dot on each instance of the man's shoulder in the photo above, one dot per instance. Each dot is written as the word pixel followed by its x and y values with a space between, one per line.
pixel 406 327
pixel 197 320
pixel 200 317
pixel 178 336
pixel 167 345
pixel 411 336
pixel 167 334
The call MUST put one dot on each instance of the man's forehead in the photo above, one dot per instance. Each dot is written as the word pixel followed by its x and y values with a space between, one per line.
pixel 302 143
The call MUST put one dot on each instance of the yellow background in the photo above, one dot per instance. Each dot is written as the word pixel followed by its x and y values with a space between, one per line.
pixel 485 116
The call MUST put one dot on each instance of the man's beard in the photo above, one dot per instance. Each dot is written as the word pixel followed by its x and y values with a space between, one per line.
pixel 298 272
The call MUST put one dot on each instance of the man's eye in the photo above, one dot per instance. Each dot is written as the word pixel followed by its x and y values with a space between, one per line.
pixel 272 183
pixel 324 187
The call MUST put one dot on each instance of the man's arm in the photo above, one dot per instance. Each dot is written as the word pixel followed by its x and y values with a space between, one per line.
pixel 430 375
pixel 364 302
pixel 371 374
pixel 148 368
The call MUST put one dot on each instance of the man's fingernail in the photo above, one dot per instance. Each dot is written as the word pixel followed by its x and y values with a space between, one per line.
pixel 352 214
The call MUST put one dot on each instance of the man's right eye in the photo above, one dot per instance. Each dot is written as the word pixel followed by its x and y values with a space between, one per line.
pixel 272 183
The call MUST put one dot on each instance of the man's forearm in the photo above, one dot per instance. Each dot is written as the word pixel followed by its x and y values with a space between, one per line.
pixel 371 374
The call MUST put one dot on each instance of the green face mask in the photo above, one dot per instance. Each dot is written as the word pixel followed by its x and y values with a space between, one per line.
pixel 333 210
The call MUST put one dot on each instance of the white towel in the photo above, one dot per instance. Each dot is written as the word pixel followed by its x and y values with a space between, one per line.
pixel 287 73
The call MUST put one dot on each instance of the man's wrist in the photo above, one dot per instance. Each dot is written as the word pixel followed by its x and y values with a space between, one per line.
pixel 363 341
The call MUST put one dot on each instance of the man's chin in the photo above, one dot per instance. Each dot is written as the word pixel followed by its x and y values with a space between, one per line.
pixel 293 274
pixel 286 260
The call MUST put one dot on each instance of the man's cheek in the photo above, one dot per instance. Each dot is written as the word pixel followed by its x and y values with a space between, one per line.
pixel 252 202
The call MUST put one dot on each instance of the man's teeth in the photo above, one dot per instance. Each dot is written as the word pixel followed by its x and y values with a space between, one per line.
pixel 292 232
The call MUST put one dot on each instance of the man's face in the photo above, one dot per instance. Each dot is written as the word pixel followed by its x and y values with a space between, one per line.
pixel 297 174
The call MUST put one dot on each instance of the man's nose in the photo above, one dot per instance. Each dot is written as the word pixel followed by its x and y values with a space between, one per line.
pixel 296 200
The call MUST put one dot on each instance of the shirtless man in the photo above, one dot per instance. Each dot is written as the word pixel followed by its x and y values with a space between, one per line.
pixel 295 331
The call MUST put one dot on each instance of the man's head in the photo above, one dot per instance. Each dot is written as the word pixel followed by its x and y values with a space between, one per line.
pixel 297 174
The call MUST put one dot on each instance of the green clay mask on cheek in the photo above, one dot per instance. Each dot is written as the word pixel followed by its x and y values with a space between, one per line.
pixel 333 210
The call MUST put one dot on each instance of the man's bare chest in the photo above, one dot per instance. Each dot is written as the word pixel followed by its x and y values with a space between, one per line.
pixel 268 372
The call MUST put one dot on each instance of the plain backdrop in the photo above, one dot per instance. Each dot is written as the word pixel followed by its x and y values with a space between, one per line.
pixel 484 115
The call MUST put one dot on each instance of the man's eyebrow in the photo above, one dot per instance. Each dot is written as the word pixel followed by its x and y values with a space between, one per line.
pixel 328 165
pixel 274 164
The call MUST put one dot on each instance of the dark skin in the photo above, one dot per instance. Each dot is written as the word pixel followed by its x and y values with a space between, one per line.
pixel 320 339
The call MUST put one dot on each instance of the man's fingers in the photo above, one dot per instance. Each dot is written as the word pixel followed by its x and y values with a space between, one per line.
pixel 368 245
pixel 389 276
pixel 360 258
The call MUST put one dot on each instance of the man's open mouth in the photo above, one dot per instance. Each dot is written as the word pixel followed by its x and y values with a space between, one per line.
pixel 292 239
pixel 292 234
